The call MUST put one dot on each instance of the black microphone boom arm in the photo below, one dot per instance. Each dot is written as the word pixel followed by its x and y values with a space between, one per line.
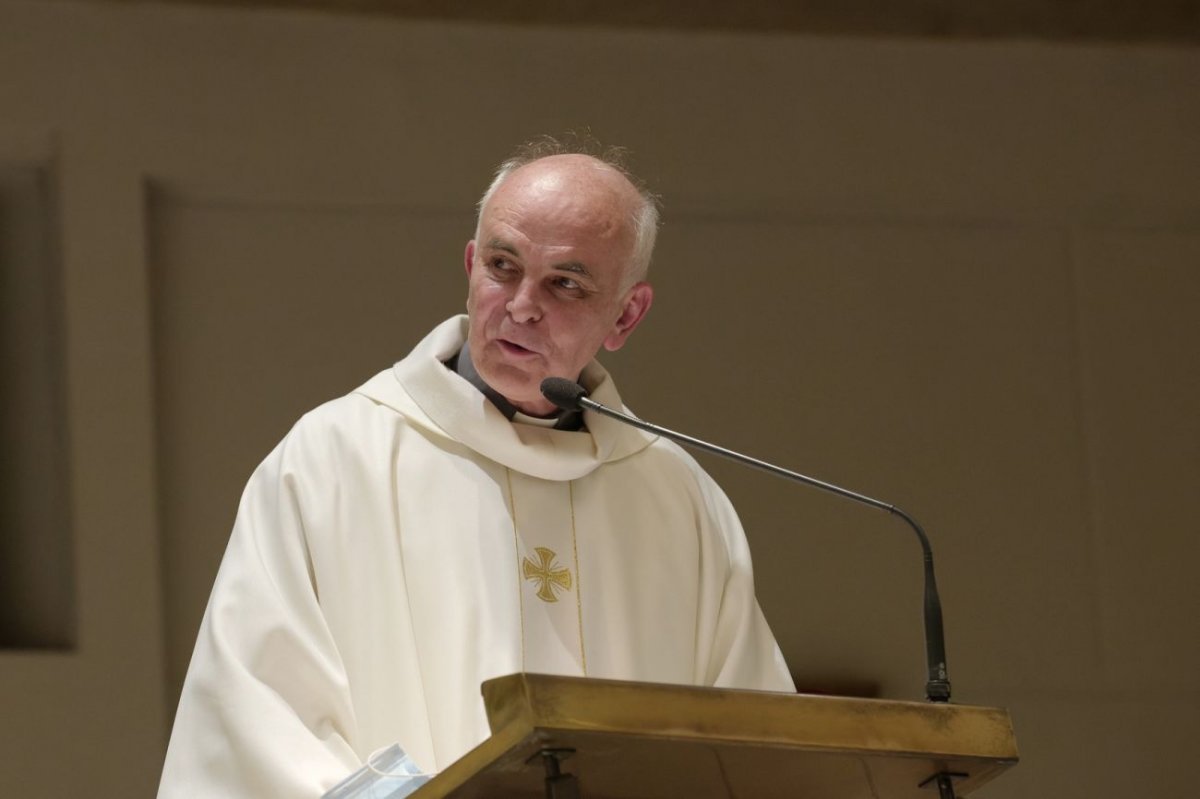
pixel 937 688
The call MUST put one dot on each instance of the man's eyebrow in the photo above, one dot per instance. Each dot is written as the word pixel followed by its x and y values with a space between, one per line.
pixel 499 244
pixel 575 267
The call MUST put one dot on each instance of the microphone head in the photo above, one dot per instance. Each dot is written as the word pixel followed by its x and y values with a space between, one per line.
pixel 563 393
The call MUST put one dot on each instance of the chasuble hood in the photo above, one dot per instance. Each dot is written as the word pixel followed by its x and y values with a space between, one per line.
pixel 440 402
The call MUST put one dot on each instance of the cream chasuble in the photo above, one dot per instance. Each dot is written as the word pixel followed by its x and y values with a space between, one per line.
pixel 406 542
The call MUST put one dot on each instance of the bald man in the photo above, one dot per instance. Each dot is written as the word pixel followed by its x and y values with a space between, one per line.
pixel 444 524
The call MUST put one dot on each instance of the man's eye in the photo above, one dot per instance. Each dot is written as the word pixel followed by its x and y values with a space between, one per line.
pixel 568 284
pixel 498 264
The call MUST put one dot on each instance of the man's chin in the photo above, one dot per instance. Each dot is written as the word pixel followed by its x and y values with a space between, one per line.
pixel 521 388
pixel 527 398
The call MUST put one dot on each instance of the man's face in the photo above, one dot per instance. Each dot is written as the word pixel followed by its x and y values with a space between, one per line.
pixel 546 276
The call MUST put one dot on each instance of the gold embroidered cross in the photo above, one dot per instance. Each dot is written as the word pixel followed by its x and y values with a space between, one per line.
pixel 546 574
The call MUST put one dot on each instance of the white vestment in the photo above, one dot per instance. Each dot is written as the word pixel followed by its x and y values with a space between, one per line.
pixel 406 542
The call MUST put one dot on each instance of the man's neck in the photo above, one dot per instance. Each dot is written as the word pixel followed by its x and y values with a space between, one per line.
pixel 465 368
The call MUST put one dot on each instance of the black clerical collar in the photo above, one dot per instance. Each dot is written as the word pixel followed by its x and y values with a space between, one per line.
pixel 462 365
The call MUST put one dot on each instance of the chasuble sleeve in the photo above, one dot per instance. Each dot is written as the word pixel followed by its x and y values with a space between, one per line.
pixel 744 653
pixel 266 709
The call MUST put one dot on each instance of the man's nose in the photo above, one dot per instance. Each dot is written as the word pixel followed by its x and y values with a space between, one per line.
pixel 525 304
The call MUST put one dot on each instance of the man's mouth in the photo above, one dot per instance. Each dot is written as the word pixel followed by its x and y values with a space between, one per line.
pixel 513 348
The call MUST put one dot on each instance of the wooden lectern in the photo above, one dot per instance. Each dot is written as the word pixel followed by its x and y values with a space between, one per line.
pixel 626 739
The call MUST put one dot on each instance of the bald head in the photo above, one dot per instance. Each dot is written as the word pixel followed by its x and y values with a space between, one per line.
pixel 575 178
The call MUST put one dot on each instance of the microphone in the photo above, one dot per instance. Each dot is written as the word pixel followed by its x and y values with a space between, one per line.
pixel 564 393
pixel 571 396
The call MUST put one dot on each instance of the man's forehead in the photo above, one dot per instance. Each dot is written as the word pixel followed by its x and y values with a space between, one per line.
pixel 555 213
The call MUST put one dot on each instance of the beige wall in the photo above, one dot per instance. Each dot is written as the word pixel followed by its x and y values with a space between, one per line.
pixel 962 277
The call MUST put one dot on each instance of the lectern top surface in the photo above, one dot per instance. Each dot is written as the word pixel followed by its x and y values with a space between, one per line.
pixel 648 740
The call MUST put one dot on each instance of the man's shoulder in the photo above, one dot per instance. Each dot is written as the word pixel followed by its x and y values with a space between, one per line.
pixel 678 480
pixel 350 418
pixel 346 409
pixel 665 458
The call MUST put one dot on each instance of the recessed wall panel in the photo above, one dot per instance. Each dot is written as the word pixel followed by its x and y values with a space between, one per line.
pixel 37 592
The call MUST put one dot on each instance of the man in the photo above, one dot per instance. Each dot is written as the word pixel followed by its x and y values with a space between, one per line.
pixel 442 525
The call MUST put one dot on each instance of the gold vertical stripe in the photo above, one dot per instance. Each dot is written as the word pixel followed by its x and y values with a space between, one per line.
pixel 578 577
pixel 512 509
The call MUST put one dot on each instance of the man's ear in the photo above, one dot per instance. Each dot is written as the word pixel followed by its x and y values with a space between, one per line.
pixel 637 303
pixel 469 256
